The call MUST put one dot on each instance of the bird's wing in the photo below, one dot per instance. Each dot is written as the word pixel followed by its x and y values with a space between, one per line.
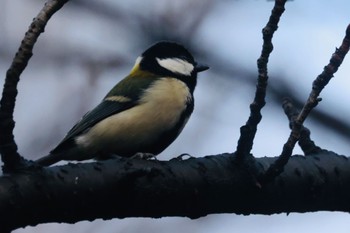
pixel 123 96
pixel 100 112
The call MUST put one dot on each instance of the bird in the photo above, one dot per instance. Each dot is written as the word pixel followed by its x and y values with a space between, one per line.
pixel 143 113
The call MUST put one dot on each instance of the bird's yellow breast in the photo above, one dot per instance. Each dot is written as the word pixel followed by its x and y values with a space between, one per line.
pixel 159 110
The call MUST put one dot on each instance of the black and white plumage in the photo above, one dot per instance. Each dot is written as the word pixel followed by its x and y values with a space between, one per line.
pixel 143 113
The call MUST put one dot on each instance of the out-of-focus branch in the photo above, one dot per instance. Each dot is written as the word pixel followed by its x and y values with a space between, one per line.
pixel 278 90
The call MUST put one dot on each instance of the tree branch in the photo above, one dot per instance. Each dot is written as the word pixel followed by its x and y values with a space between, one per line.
pixel 193 188
pixel 320 82
pixel 248 131
pixel 8 147
pixel 306 144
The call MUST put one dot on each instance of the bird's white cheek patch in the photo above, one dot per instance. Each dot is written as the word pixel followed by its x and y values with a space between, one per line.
pixel 176 65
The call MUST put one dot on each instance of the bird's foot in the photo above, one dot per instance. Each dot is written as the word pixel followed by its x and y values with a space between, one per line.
pixel 141 155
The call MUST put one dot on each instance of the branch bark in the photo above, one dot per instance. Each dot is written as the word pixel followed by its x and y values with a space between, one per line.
pixel 192 188
pixel 8 147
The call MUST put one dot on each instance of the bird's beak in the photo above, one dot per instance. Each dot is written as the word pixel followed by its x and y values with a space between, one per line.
pixel 200 67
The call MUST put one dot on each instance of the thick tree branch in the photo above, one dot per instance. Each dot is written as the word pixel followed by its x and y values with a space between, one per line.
pixel 193 188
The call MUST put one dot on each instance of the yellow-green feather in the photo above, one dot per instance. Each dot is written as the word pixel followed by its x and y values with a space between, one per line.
pixel 133 85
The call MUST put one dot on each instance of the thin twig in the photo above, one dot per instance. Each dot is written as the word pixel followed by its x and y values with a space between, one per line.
pixel 8 148
pixel 320 82
pixel 248 131
pixel 306 144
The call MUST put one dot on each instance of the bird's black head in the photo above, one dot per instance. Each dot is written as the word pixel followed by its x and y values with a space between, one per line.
pixel 171 59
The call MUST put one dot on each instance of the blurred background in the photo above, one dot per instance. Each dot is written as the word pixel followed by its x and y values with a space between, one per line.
pixel 88 46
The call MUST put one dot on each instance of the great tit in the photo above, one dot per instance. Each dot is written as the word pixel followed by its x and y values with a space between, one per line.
pixel 143 113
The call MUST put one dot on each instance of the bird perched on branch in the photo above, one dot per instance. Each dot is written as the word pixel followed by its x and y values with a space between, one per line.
pixel 143 113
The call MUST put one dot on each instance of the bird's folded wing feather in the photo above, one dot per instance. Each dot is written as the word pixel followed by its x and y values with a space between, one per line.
pixel 123 96
pixel 102 111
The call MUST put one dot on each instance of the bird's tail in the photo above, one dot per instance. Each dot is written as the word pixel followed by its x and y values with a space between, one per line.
pixel 49 159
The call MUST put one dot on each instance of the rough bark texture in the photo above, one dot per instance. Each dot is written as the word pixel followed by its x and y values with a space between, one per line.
pixel 193 188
